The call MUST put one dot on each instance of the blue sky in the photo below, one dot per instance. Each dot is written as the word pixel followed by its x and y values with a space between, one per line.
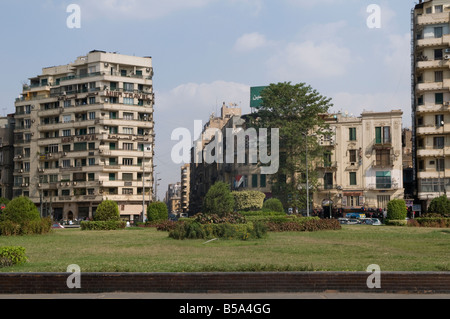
pixel 206 52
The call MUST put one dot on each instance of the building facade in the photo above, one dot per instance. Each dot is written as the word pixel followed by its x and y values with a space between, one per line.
pixel 85 133
pixel 362 163
pixel 185 187
pixel 430 98
pixel 7 125
pixel 173 199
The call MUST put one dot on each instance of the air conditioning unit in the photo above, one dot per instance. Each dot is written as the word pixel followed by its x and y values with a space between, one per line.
pixel 21 171
pixel 75 183
pixel 39 185
pixel 67 184
pixel 447 57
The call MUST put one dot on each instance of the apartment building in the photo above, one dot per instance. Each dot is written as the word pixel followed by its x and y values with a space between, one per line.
pixel 7 156
pixel 239 175
pixel 173 199
pixel 430 98
pixel 362 164
pixel 84 134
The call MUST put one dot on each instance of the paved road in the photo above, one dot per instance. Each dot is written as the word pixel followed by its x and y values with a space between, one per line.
pixel 274 296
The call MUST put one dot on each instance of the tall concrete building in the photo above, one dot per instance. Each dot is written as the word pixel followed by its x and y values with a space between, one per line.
pixel 185 187
pixel 7 156
pixel 84 134
pixel 431 98
pixel 362 164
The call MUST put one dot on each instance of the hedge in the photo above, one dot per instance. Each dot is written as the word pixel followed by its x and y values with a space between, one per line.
pixel 11 256
pixel 307 224
pixel 31 227
pixel 396 222
pixel 103 225
pixel 436 222
pixel 248 200
pixel 195 230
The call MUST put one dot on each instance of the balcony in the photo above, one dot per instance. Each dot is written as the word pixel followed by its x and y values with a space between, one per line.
pixel 436 18
pixel 327 165
pixel 432 86
pixel 384 163
pixel 383 185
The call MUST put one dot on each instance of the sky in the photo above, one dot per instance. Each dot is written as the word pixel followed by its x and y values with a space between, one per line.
pixel 206 52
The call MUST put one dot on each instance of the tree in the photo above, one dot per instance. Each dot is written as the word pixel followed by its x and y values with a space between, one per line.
pixel 219 200
pixel 157 211
pixel 396 210
pixel 273 205
pixel 295 110
pixel 106 211
pixel 20 210
pixel 440 205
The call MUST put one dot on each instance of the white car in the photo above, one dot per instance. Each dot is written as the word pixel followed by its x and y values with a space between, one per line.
pixel 376 222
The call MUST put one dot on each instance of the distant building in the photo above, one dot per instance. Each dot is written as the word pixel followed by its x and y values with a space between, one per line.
pixel 173 198
pixel 7 156
pixel 185 187
pixel 362 165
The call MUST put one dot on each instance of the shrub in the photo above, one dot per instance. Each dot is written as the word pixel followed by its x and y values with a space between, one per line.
pixel 9 228
pixel 396 210
pixel 437 222
pixel 103 225
pixel 108 210
pixel 273 204
pixel 396 222
pixel 166 225
pixel 36 227
pixel 19 210
pixel 157 211
pixel 231 218
pixel 248 200
pixel 10 256
pixel 218 200
pixel 440 205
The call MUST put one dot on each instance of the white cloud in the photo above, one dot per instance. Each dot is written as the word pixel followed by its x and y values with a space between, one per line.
pixel 250 41
pixel 310 60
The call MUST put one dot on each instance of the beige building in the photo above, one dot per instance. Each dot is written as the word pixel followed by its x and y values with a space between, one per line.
pixel 173 199
pixel 85 133
pixel 362 164
pixel 7 156
pixel 431 96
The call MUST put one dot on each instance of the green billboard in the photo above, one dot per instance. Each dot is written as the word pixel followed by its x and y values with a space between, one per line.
pixel 255 96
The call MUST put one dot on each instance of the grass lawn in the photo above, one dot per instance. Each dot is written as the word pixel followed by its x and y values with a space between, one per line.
pixel 353 248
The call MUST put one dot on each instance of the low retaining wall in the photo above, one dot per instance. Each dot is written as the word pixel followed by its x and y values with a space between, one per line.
pixel 391 282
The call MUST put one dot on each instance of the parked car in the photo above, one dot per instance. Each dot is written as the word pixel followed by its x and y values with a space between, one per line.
pixel 343 221
pixel 376 222
pixel 353 222
pixel 57 226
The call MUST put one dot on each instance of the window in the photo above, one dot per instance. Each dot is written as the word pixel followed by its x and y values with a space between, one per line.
pixel 352 154
pixel 91 115
pixel 113 130
pixel 383 135
pixel 438 54
pixel 79 147
pixel 383 158
pixel 353 179
pixel 438 76
pixel 420 100
pixel 65 192
pixel 438 31
pixel 127 176
pixel 263 181
pixel 91 162
pixel 92 100
pixel 383 180
pixel 383 201
pixel 328 180
pixel 440 165
pixel 438 142
pixel 91 177
pixel 91 130
pixel 112 177
pixel 127 191
pixel 128 87
pixel 91 146
pixel 67 118
pixel 429 10
pixel 112 115
pixel 439 120
pixel 128 130
pixel 128 146
pixel 127 161
pixel 128 101
pixel 128 116
pixel 327 159
pixel 66 163
pixel 67 133
pixel 254 181
pixel 438 9
pixel 439 98
pixel 352 134
pixel 112 146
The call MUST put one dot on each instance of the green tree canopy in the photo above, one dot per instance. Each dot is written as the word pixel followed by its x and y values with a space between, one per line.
pixel 107 210
pixel 157 211
pixel 296 110
pixel 19 210
pixel 219 200
pixel 440 205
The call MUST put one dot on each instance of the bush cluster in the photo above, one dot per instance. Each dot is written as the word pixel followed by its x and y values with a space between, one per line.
pixel 157 211
pixel 440 206
pixel 30 227
pixel 307 224
pixel 11 256
pixel 108 210
pixel 231 218
pixel 219 200
pixel 103 225
pixel 436 222
pixel 273 204
pixel 248 200
pixel 396 210
pixel 195 230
